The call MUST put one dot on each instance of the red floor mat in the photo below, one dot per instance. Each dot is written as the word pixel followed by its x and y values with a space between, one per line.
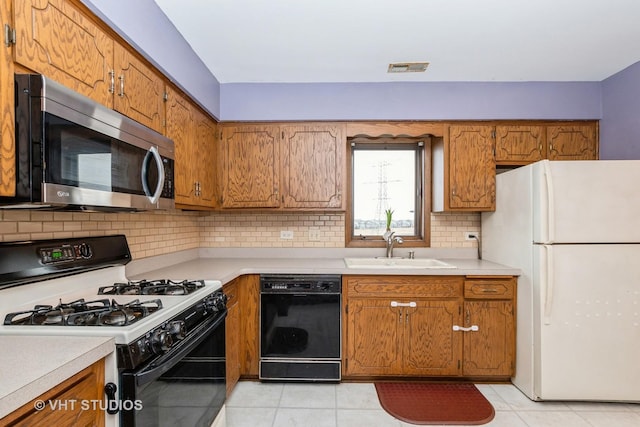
pixel 435 403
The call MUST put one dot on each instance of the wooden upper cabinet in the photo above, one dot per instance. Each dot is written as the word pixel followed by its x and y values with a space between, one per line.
pixel 289 166
pixel 139 91
pixel 194 136
pixel 250 166
pixel 55 38
pixel 180 130
pixel 471 168
pixel 313 166
pixel 204 158
pixel 520 144
pixel 7 116
pixel 572 142
pixel 523 144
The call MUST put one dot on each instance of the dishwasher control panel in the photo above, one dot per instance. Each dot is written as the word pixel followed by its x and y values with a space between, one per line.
pixel 300 283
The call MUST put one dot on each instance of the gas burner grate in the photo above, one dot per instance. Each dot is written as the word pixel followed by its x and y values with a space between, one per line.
pixel 85 313
pixel 152 287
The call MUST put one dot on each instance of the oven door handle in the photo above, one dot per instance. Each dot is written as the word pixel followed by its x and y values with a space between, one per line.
pixel 168 360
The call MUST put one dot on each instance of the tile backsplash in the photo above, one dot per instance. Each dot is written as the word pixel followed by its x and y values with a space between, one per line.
pixel 156 233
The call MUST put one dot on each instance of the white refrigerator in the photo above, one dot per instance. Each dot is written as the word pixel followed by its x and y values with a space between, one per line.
pixel 573 228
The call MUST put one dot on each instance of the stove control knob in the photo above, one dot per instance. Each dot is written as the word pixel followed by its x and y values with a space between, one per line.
pixel 85 250
pixel 161 341
pixel 177 330
pixel 213 304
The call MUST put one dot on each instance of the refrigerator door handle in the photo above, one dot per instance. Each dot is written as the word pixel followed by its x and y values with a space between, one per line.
pixel 548 285
pixel 550 237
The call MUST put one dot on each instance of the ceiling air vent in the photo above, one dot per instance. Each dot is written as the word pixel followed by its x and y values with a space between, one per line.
pixel 408 67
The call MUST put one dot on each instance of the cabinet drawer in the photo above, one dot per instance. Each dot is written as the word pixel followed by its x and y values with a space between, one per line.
pixel 404 286
pixel 489 288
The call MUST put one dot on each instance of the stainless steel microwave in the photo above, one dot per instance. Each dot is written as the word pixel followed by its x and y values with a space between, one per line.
pixel 74 153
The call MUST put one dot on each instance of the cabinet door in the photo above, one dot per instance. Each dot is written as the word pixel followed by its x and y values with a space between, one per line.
pixel 431 347
pixel 472 168
pixel 85 386
pixel 7 116
pixel 520 144
pixel 313 166
pixel 204 159
pixel 54 38
pixel 180 129
pixel 374 333
pixel 232 336
pixel 139 91
pixel 491 349
pixel 572 142
pixel 250 166
pixel 249 291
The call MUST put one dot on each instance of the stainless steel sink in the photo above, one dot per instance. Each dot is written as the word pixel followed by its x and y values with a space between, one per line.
pixel 396 263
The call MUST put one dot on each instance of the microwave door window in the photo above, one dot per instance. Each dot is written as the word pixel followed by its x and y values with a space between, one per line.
pixel 126 168
pixel 81 157
pixel 85 162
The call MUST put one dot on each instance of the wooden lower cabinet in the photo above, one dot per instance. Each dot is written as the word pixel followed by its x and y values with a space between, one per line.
pixel 489 350
pixel 430 346
pixel 85 386
pixel 241 329
pixel 232 335
pixel 374 338
pixel 388 340
pixel 489 305
pixel 416 326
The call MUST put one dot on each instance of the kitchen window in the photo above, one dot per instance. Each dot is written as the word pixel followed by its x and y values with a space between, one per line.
pixel 388 174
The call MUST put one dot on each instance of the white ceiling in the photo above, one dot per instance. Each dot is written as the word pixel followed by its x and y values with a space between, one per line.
pixel 463 40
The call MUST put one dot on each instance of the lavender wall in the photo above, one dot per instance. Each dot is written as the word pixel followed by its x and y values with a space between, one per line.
pixel 616 100
pixel 410 101
pixel 620 124
pixel 143 24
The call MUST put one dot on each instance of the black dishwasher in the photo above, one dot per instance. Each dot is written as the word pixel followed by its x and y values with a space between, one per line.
pixel 300 327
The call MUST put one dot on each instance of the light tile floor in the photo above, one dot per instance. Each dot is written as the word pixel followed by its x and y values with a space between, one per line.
pixel 255 404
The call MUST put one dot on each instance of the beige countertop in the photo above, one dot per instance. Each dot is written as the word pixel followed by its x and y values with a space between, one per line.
pixel 32 365
pixel 225 265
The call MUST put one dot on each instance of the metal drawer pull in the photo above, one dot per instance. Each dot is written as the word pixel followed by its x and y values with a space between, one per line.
pixel 472 328
pixel 489 290
pixel 403 304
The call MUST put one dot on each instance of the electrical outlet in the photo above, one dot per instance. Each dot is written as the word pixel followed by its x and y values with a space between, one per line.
pixel 314 234
pixel 286 235
pixel 470 235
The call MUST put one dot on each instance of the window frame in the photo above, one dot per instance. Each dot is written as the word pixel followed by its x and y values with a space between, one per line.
pixel 423 230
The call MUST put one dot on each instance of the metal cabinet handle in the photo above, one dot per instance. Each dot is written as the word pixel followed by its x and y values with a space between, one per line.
pixel 112 81
pixel 403 304
pixel 121 78
pixel 473 328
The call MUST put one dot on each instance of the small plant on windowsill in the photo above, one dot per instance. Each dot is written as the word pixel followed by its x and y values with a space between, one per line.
pixel 389 215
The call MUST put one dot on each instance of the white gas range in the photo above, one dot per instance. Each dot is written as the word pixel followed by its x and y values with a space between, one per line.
pixel 169 335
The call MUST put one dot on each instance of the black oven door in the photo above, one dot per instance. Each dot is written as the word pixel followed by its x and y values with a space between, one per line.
pixel 184 387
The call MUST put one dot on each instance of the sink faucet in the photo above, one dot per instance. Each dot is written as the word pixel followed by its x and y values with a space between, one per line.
pixel 391 240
